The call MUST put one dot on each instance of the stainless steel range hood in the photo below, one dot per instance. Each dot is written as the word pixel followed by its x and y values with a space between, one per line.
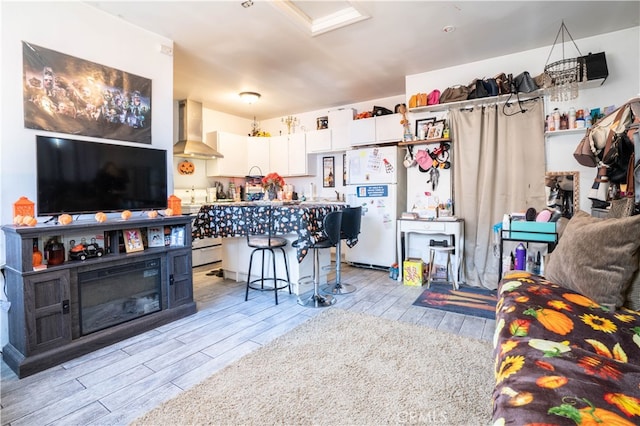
pixel 190 142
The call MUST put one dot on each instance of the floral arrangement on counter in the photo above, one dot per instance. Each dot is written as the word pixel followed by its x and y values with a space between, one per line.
pixel 272 181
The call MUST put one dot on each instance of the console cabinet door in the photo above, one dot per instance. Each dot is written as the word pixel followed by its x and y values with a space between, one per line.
pixel 180 278
pixel 47 306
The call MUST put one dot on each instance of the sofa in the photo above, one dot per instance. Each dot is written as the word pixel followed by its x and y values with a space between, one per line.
pixel 567 344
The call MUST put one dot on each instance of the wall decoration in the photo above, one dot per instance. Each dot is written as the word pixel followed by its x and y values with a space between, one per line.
pixel 186 167
pixel 328 172
pixel 344 169
pixel 65 94
pixel 423 126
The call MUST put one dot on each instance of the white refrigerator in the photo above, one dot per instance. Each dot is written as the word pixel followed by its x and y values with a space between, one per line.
pixel 376 180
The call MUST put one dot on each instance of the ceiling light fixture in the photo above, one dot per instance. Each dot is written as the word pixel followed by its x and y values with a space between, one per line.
pixel 247 3
pixel 448 29
pixel 249 97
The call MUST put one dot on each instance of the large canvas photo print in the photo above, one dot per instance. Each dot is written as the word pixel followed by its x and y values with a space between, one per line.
pixel 70 95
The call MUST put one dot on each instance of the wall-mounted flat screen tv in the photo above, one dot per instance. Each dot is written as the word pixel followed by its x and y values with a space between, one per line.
pixel 78 177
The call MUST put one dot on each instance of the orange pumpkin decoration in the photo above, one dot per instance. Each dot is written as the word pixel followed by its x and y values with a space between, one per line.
pixel 581 300
pixel 152 214
pixel 125 215
pixel 29 221
pixel 551 382
pixel 17 219
pixel 101 217
pixel 589 416
pixel 186 167
pixel 168 212
pixel 65 219
pixel 552 320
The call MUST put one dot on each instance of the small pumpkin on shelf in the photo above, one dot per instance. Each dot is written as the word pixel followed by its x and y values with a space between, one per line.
pixel 65 219
pixel 101 217
pixel 152 214
pixel 125 215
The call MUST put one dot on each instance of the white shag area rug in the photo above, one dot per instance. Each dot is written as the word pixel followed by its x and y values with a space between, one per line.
pixel 345 368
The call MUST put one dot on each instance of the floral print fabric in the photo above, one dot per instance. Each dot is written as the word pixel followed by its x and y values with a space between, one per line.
pixel 563 359
pixel 234 220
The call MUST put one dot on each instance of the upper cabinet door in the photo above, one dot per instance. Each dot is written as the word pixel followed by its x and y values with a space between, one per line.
pixel 363 131
pixel 278 156
pixel 339 122
pixel 319 141
pixel 388 128
pixel 298 162
pixel 234 149
pixel 258 149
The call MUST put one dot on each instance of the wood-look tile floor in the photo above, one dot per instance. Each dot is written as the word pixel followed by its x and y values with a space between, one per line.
pixel 119 383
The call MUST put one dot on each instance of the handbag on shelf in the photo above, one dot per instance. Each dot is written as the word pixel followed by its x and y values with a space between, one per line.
pixel 491 86
pixel 434 97
pixel 543 80
pixel 504 83
pixel 477 90
pixel 454 94
pixel 524 83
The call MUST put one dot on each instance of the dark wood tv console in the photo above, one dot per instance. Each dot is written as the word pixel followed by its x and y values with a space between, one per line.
pixel 53 318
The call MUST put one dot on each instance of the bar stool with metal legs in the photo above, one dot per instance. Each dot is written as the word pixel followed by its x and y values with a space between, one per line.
pixel 331 236
pixel 441 246
pixel 349 230
pixel 260 238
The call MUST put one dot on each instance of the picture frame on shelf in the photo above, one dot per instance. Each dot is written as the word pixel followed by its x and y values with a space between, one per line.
pixel 133 240
pixel 155 236
pixel 328 172
pixel 435 132
pixel 423 126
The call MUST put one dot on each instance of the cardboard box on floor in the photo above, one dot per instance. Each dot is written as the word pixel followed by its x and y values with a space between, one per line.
pixel 413 272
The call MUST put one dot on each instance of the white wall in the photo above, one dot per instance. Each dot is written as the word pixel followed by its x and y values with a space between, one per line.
pixel 78 30
pixel 622 50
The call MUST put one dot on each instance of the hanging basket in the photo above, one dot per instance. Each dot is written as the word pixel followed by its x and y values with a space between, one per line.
pixel 253 185
pixel 566 73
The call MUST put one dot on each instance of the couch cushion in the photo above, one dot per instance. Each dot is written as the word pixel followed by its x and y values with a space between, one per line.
pixel 597 257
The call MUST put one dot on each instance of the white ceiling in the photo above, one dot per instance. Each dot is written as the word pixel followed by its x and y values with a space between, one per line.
pixel 221 48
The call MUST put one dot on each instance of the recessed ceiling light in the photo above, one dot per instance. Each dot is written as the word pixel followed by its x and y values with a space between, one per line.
pixel 247 3
pixel 448 29
pixel 249 97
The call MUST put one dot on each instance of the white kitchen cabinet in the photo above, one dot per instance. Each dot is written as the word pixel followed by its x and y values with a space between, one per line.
pixel 278 155
pixel 319 141
pixel 234 149
pixel 385 128
pixel 339 122
pixel 258 153
pixel 388 128
pixel 363 131
pixel 288 155
pixel 298 161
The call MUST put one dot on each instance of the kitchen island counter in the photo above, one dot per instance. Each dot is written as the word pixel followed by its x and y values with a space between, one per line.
pixel 294 221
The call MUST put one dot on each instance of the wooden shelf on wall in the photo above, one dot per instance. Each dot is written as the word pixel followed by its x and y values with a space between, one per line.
pixel 424 141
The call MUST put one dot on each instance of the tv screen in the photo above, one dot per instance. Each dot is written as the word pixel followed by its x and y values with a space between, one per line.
pixel 86 177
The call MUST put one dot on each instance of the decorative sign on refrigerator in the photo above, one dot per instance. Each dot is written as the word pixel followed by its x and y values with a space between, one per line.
pixel 369 191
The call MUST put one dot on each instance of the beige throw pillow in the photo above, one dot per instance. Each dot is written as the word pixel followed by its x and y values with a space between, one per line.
pixel 597 257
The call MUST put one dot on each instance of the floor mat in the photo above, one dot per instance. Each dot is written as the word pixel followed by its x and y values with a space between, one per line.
pixel 478 302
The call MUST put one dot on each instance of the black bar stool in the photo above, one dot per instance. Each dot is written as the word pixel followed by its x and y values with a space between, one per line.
pixel 260 238
pixel 349 230
pixel 331 237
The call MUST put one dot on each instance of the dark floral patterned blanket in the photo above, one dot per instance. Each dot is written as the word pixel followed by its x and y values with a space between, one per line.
pixel 562 359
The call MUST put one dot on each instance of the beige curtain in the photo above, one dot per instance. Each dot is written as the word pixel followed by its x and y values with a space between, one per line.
pixel 499 168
